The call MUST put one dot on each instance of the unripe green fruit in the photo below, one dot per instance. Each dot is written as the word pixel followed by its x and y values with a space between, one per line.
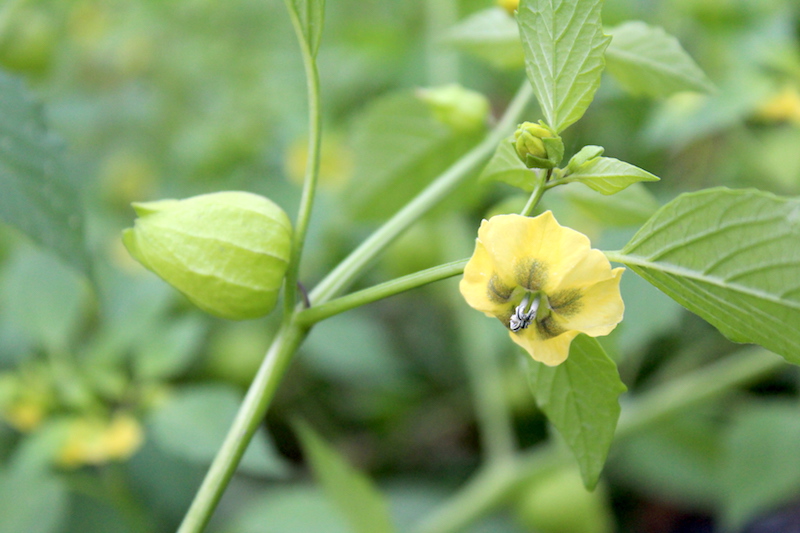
pixel 226 251
pixel 559 503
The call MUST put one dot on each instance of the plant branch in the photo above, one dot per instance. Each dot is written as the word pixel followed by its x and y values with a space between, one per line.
pixel 318 313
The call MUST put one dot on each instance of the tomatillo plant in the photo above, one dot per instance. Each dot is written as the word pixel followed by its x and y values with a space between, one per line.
pixel 231 253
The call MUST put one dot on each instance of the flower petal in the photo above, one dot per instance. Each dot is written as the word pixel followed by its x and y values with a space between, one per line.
pixel 551 351
pixel 481 287
pixel 601 308
pixel 535 252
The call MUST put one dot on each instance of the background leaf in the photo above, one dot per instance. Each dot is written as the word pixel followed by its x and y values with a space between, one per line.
pixel 492 35
pixel 399 148
pixel 632 206
pixel 760 469
pixel 580 398
pixel 732 257
pixel 38 197
pixel 607 175
pixel 352 492
pixel 506 166
pixel 646 60
pixel 311 15
pixel 193 424
pixel 564 47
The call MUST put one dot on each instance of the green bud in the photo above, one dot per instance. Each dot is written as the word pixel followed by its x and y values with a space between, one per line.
pixel 461 109
pixel 226 251
pixel 538 146
pixel 586 154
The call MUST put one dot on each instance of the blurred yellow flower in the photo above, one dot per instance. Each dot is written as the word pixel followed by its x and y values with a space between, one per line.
pixel 783 106
pixel 544 282
pixel 96 441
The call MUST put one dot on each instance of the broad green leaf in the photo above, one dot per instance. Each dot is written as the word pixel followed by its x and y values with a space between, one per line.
pixel 607 175
pixel 761 468
pixel 353 493
pixel 492 35
pixel 580 398
pixel 564 48
pixel 732 257
pixel 37 197
pixel 193 422
pixel 507 167
pixel 646 60
pixel 400 147
pixel 310 15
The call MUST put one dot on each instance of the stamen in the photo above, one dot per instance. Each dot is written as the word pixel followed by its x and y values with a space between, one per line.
pixel 524 315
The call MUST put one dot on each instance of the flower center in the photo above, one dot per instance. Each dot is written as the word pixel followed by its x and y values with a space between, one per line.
pixel 529 310
pixel 525 313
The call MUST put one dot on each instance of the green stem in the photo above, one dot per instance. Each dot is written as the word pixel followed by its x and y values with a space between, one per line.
pixel 495 483
pixel 317 313
pixel 357 261
pixel 247 420
pixel 312 164
pixel 538 190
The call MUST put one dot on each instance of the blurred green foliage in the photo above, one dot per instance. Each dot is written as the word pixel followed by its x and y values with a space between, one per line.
pixel 170 99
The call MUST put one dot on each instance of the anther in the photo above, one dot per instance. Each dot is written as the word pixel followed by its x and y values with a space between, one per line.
pixel 524 315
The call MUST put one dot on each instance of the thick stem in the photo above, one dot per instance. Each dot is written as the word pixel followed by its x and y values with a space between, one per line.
pixel 378 292
pixel 247 420
pixel 493 484
pixel 352 266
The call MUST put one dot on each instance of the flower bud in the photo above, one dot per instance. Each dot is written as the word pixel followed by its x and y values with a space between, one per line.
pixel 461 109
pixel 226 251
pixel 537 146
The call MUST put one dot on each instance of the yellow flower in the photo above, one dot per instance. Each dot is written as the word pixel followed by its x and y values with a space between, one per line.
pixel 544 282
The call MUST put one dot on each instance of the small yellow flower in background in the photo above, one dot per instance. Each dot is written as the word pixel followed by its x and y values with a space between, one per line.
pixel 782 107
pixel 96 441
pixel 544 282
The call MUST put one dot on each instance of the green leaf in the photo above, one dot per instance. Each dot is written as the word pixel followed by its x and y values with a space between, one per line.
pixel 32 502
pixel 193 422
pixel 287 509
pixel 607 175
pixel 506 166
pixel 310 15
pixel 38 197
pixel 352 492
pixel 399 148
pixel 761 469
pixel 732 257
pixel 646 60
pixel 580 398
pixel 632 206
pixel 564 49
pixel 43 298
pixel 492 35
